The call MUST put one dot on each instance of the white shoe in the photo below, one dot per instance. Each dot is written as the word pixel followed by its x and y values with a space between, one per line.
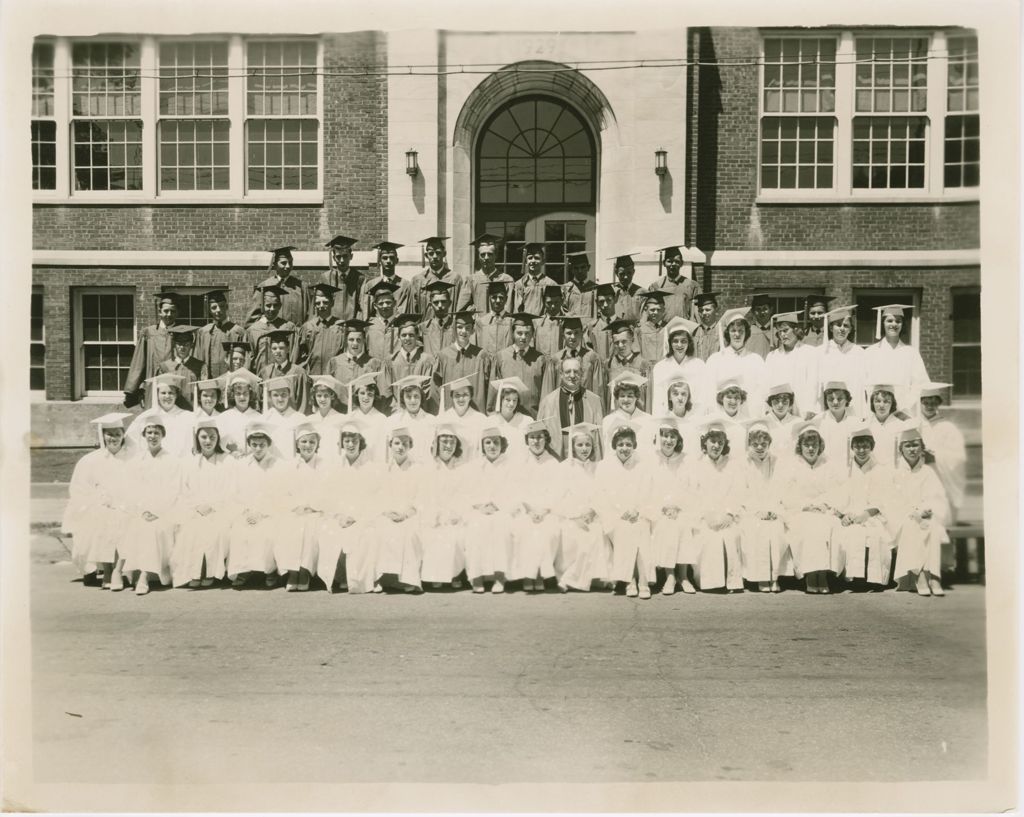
pixel 116 581
pixel 669 587
pixel 687 586
pixel 645 590
pixel 142 585
pixel 631 590
pixel 498 587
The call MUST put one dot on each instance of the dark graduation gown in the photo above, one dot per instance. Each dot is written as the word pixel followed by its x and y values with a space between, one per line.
pixel 627 302
pixel 152 348
pixel 257 333
pixel 532 368
pixel 637 364
pixel 680 303
pixel 319 341
pixel 420 299
pixel 403 300
pixel 381 337
pixel 452 363
pixel 295 302
pixel 494 332
pixel 594 376
pixel 437 334
pixel 474 291
pixel 547 335
pixel 346 369
pixel 421 363
pixel 346 301
pixel 209 345
pixel 649 337
pixel 579 299
pixel 192 370
pixel 528 294
pixel 300 383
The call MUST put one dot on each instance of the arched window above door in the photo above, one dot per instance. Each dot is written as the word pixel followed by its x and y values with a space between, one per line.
pixel 536 150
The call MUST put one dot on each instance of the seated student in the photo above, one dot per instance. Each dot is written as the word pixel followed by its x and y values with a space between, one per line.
pixel 946 443
pixel 442 526
pixel 177 423
pixel 861 543
pixel 763 542
pixel 809 517
pixel 718 498
pixel 677 360
pixel 281 365
pixel 203 513
pixel 363 399
pixel 624 489
pixel 507 411
pixel 154 492
pixel 241 388
pixel 487 541
pixel 534 528
pixel 205 399
pixel 672 508
pixel 584 556
pixel 393 518
pixel 627 390
pixel 97 512
pixel 279 416
pixel 297 536
pixel 256 506
pixel 183 363
pixel 918 517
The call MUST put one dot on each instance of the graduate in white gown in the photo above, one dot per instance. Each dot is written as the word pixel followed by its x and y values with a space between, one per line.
pixel 280 417
pixel 678 361
pixel 459 407
pixel 809 517
pixel 153 493
pixel 510 414
pixel 719 501
pixel 781 416
pixel 679 398
pixel 199 557
pixel 206 398
pixel 763 543
pixel 946 443
pixel 624 488
pixel 672 503
pixel 837 420
pixel 412 415
pixel 394 513
pixel 97 511
pixel 892 360
pixel 862 542
pixel 442 524
pixel 733 410
pixel 793 362
pixel 734 360
pixel 627 388
pixel 327 392
pixel 839 358
pixel 487 538
pixel 884 418
pixel 241 388
pixel 535 525
pixel 919 516
pixel 363 398
pixel 584 554
pixel 176 421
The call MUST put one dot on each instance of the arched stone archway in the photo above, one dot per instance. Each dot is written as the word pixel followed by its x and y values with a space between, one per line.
pixel 521 79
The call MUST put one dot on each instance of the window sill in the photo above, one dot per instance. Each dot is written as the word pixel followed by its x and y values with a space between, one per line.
pixel 120 200
pixel 835 199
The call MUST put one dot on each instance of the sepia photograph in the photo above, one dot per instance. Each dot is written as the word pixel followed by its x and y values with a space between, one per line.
pixel 542 409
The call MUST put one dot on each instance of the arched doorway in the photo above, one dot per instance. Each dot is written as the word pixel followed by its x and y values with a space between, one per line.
pixel 536 179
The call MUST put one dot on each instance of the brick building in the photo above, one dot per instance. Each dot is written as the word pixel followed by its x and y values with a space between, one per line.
pixel 842 161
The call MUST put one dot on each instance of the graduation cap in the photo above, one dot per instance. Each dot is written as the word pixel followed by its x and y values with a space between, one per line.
pixel 305 429
pixel 677 324
pixel 461 382
pixel 605 290
pixel 182 332
pixel 627 377
pixel 894 310
pixel 728 317
pixel 533 248
pixel 400 431
pixel 405 319
pixel 152 417
pixel 356 325
pixel 438 286
pixel 434 241
pixel 804 427
pixel 713 422
pixel 755 424
pixel 167 379
pixel 205 385
pixel 206 422
pixel 877 387
pixel 324 289
pixel 787 317
pixel 110 421
pixel 409 381
pixel 272 289
pixel 553 290
pixel 666 421
pixel 909 434
pixel 383 246
pixel 448 429
pixel 492 431
pixel 279 335
pixel 544 424
pixel 329 382
pixel 485 238
pixel 382 288
pixel 578 257
pixel 172 298
pixel 465 316
pixel 279 251
pixel 220 295
pixel 671 249
pixel 654 295
pixel 259 428
pixel 502 383
pixel 702 298
pixel 241 376
pixel 760 299
pixel 342 241
pixel 834 315
pixel 493 286
pixel 365 379
pixel 777 389
pixel 625 425
pixel 523 319
pixel 623 258
pixel 581 428
pixel 729 383
pixel 619 325
pixel 276 383
pixel 573 322
pixel 352 425
pixel 834 384
pixel 934 389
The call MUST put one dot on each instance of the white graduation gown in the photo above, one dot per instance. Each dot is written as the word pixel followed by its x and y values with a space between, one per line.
pixel 863 550
pixel 624 488
pixel 156 488
pixel 584 555
pixel 206 483
pixel 98 506
pixel 763 543
pixel 918 541
pixel 718 491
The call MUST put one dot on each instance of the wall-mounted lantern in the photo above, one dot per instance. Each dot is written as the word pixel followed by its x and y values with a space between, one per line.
pixel 412 162
pixel 661 161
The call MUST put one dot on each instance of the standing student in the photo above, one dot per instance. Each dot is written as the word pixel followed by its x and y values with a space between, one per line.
pixel 678 359
pixel 463 358
pixel 387 263
pixel 475 294
pixel 733 413
pixel 199 556
pixel 281 365
pixel 763 542
pixel 494 329
pixel 604 302
pixel 345 280
pixel 280 416
pixel 919 516
pixel 322 336
pixel 356 360
pixel 836 422
pixel 363 399
pixel 380 334
pixel 528 292
pixel 97 512
pixel 781 414
pixel 176 422
pixel 412 416
pixel 206 397
pixel 522 360
pixel 946 443
pixel 792 362
pixel 577 344
pixel 842 359
pixel 578 292
pixel 652 325
pixel 183 363
pixel 237 355
pixel 884 417
pixel 894 361
pixel 762 338
pixel 410 356
pixel 210 339
pixel 626 357
pixel 242 389
pixel 706 337
pixel 626 294
pixel 734 360
pixel 627 390
pixel 269 321
pixel 436 269
pixel 584 553
pixel 326 392
pixel 152 348
pixel 294 296
pixel 547 329
pixel 815 307
pixel 438 330
pixel 507 411
pixel 681 290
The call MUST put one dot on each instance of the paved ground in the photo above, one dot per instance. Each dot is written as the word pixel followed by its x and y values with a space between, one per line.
pixel 255 686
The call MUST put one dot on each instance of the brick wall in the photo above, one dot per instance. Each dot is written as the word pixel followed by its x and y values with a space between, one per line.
pixel 725 188
pixel 932 285
pixel 355 173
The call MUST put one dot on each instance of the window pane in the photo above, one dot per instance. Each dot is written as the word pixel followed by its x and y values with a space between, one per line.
pixel 889 151
pixel 103 144
pixel 796 152
pixel 42 79
pixel 44 155
pixel 281 78
pixel 967 371
pixel 105 79
pixel 962 150
pixel 885 64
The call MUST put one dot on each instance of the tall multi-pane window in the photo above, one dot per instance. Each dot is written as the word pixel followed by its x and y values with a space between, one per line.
pixel 891 87
pixel 44 126
pixel 193 109
pixel 105 331
pixel 797 140
pixel 106 106
pixel 37 349
pixel 282 129
pixel 967 343
pixel 962 143
pixel 868 113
